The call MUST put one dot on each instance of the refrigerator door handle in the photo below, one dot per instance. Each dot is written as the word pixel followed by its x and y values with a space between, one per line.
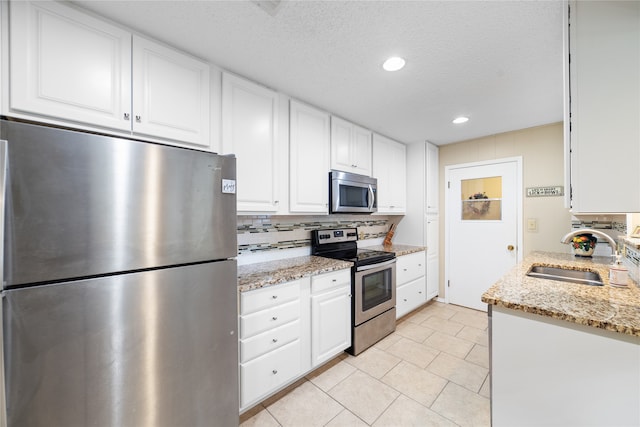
pixel 3 187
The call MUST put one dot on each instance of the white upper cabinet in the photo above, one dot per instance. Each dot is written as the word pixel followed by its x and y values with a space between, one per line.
pixel 604 146
pixel 431 176
pixel 309 147
pixel 249 130
pixel 72 67
pixel 350 147
pixel 68 65
pixel 390 169
pixel 170 93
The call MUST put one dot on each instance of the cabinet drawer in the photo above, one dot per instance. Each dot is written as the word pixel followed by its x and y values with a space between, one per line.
pixel 329 281
pixel 270 318
pixel 268 341
pixel 271 296
pixel 410 267
pixel 266 373
pixel 411 296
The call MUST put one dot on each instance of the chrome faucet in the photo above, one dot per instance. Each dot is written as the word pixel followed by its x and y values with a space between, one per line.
pixel 569 236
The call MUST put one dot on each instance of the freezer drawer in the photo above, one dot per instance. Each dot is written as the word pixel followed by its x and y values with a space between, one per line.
pixel 155 348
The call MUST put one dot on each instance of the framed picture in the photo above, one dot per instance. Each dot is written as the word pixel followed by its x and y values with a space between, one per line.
pixel 636 231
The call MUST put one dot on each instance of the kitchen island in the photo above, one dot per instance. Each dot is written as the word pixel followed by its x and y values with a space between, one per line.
pixel 564 353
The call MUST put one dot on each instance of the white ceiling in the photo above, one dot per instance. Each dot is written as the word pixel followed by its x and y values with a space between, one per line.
pixel 497 62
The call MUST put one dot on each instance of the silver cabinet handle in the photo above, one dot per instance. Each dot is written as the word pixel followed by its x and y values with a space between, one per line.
pixel 274 318
pixel 275 340
pixel 275 297
pixel 275 371
pixel 126 116
pixel 138 119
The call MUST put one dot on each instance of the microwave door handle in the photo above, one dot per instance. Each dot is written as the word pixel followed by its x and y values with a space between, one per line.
pixel 372 202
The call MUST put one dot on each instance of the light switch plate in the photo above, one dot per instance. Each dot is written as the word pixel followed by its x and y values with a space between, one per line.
pixel 532 224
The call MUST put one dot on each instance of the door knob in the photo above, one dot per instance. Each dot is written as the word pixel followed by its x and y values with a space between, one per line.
pixel 510 247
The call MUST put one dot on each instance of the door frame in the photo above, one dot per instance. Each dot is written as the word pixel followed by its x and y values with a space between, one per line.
pixel 447 203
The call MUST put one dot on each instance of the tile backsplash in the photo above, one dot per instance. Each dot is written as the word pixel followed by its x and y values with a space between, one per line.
pixel 265 233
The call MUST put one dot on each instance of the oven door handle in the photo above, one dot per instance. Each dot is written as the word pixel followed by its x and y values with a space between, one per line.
pixel 378 265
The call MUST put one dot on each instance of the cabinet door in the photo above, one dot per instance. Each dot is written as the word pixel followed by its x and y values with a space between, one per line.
pixel 389 167
pixel 432 174
pixel 309 159
pixel 605 106
pixel 433 259
pixel 350 147
pixel 249 118
pixel 170 94
pixel 361 150
pixel 68 65
pixel 330 324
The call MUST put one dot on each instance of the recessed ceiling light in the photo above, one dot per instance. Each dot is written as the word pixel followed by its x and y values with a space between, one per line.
pixel 394 63
pixel 460 119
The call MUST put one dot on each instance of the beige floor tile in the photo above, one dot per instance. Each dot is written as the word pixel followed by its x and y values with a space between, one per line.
pixel 346 419
pixel 405 412
pixel 374 362
pixel 463 407
pixel 388 341
pixel 364 395
pixel 306 405
pixel 478 336
pixel 476 319
pixel 413 331
pixel 416 383
pixel 261 418
pixel 413 352
pixel 441 311
pixel 417 316
pixel 331 374
pixel 449 344
pixel 485 391
pixel 479 355
pixel 445 326
pixel 459 371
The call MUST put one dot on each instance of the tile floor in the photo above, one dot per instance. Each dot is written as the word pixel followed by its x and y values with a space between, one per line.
pixel 432 371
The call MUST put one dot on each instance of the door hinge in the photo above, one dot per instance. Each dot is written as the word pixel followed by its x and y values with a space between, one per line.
pixel 448 283
pixel 448 184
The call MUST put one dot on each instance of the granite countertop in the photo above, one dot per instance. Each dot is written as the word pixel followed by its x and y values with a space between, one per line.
pixel 634 242
pixel 399 250
pixel 259 275
pixel 605 307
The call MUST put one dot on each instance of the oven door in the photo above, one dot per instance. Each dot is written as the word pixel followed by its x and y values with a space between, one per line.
pixel 374 290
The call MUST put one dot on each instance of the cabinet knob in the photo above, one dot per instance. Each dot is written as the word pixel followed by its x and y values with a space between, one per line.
pixel 275 297
pixel 275 340
pixel 405 300
pixel 126 116
pixel 419 265
pixel 275 371
pixel 334 280
pixel 138 119
pixel 404 269
pixel 274 318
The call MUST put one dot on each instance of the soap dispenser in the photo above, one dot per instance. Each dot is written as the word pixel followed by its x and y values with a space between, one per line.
pixel 618 273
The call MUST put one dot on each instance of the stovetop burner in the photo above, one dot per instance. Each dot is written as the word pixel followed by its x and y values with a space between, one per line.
pixel 342 244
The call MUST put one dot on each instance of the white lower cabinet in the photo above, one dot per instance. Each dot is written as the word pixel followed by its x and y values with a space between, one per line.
pixel 411 284
pixel 330 315
pixel 270 336
pixel 290 328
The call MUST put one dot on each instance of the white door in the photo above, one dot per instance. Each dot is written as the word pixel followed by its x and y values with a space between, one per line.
pixel 484 222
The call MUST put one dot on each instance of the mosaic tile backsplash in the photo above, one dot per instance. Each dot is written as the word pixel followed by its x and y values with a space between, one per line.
pixel 272 233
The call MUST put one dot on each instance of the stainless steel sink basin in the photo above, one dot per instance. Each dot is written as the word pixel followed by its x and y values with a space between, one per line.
pixel 565 275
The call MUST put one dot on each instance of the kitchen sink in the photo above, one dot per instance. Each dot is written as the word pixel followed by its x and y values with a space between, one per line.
pixel 566 275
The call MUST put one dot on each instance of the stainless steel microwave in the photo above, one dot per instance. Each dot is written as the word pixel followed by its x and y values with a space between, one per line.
pixel 352 193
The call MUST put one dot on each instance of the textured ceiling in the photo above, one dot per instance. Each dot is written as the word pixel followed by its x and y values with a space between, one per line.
pixel 498 62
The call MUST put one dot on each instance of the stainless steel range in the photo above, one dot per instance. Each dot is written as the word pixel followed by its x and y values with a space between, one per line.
pixel 373 284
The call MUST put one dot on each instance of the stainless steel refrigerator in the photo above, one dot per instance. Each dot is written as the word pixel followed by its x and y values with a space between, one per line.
pixel 119 281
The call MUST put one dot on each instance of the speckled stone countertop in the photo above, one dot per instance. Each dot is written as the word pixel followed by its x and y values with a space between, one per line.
pixel 399 250
pixel 259 275
pixel 634 242
pixel 605 307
